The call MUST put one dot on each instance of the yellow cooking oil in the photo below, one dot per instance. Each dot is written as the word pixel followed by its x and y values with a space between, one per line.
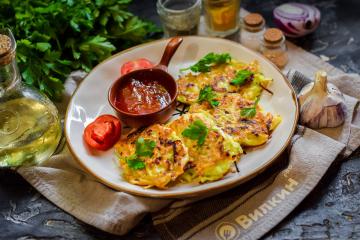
pixel 29 131
pixel 222 15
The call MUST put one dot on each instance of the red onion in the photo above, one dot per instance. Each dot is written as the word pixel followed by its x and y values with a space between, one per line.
pixel 296 19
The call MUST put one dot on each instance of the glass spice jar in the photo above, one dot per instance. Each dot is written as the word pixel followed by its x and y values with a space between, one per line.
pixel 30 129
pixel 179 17
pixel 274 48
pixel 252 31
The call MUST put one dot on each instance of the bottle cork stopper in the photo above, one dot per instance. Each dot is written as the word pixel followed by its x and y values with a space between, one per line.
pixel 5 44
pixel 253 20
pixel 273 35
pixel 6 53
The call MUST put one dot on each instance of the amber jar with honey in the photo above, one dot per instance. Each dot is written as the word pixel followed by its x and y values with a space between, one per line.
pixel 273 47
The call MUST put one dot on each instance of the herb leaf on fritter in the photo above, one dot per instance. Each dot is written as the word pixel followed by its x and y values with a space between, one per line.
pixel 250 112
pixel 241 77
pixel 145 147
pixel 205 63
pixel 208 94
pixel 134 162
pixel 196 131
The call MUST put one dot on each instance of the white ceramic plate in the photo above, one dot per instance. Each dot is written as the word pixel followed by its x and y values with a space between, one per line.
pixel 90 101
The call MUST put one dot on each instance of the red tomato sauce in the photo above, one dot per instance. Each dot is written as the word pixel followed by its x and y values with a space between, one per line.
pixel 140 97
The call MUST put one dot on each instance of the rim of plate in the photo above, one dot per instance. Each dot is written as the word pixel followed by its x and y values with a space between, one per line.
pixel 186 193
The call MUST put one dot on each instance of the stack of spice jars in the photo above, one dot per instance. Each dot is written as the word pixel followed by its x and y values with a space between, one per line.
pixel 269 42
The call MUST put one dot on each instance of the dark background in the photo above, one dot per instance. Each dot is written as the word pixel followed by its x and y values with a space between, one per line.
pixel 331 211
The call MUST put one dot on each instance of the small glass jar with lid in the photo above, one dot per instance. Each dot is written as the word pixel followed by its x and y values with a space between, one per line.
pixel 252 31
pixel 273 47
pixel 30 129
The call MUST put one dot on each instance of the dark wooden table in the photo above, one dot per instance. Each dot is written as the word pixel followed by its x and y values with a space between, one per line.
pixel 331 211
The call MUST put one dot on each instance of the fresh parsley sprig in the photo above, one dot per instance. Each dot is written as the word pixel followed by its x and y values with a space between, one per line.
pixel 241 77
pixel 196 131
pixel 205 63
pixel 250 112
pixel 208 94
pixel 143 148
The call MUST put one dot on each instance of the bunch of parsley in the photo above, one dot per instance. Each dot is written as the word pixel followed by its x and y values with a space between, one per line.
pixel 55 37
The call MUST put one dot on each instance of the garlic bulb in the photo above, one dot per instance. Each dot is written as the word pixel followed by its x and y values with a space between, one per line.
pixel 321 104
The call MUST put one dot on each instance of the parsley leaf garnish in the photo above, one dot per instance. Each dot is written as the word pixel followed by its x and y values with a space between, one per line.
pixel 135 163
pixel 145 147
pixel 205 63
pixel 241 77
pixel 207 94
pixel 250 112
pixel 196 131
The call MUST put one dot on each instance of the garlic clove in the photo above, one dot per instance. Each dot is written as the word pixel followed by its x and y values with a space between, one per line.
pixel 321 104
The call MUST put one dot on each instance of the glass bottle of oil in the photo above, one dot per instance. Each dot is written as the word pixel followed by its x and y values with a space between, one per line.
pixel 29 125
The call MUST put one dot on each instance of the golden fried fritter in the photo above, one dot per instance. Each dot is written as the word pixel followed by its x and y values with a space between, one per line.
pixel 219 79
pixel 211 160
pixel 253 131
pixel 167 161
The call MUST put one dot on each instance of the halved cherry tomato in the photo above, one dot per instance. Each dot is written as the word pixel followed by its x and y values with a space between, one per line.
pixel 140 63
pixel 103 133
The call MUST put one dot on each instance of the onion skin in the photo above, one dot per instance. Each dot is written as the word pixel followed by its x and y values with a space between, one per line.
pixel 296 19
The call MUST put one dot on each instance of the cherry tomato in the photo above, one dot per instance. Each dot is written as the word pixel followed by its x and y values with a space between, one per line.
pixel 103 133
pixel 135 65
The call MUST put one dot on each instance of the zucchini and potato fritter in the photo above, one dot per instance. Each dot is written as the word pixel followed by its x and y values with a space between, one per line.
pixel 210 159
pixel 246 131
pixel 202 145
pixel 154 157
pixel 219 78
